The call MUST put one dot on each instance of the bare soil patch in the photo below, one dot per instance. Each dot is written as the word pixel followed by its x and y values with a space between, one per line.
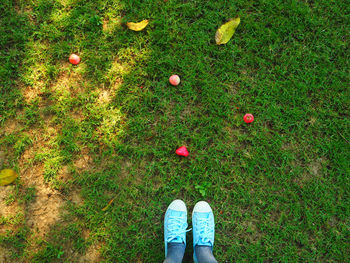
pixel 44 211
pixel 92 254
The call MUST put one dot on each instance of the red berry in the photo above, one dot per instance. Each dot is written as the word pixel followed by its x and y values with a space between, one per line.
pixel 182 151
pixel 248 118
pixel 74 59
pixel 174 80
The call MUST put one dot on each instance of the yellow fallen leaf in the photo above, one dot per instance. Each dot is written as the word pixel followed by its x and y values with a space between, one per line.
pixel 226 31
pixel 7 176
pixel 108 205
pixel 137 26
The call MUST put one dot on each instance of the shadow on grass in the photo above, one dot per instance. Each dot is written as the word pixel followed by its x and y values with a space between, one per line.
pixel 75 125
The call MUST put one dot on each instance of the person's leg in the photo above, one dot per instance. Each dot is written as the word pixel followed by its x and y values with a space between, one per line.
pixel 175 224
pixel 203 233
pixel 204 254
pixel 176 252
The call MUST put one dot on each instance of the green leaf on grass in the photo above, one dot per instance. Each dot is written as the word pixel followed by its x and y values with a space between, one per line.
pixel 7 176
pixel 226 31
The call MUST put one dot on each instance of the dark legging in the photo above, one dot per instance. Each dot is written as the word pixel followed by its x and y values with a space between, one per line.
pixel 176 253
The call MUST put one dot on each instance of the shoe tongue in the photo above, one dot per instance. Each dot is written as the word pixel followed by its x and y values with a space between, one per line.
pixel 177 240
pixel 202 243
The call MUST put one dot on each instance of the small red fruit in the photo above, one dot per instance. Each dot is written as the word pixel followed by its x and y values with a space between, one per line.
pixel 74 59
pixel 174 80
pixel 182 151
pixel 248 118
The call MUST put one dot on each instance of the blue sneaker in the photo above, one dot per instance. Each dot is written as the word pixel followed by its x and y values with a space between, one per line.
pixel 203 226
pixel 175 224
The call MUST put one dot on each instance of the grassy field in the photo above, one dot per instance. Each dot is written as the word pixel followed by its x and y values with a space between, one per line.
pixel 107 129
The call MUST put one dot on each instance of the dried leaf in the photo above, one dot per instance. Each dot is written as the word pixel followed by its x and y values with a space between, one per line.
pixel 226 31
pixel 108 205
pixel 7 176
pixel 137 26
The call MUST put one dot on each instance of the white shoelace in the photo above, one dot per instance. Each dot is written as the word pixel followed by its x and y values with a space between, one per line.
pixel 205 230
pixel 177 228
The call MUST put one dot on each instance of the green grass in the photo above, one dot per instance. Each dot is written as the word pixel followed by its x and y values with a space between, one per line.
pixel 278 187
